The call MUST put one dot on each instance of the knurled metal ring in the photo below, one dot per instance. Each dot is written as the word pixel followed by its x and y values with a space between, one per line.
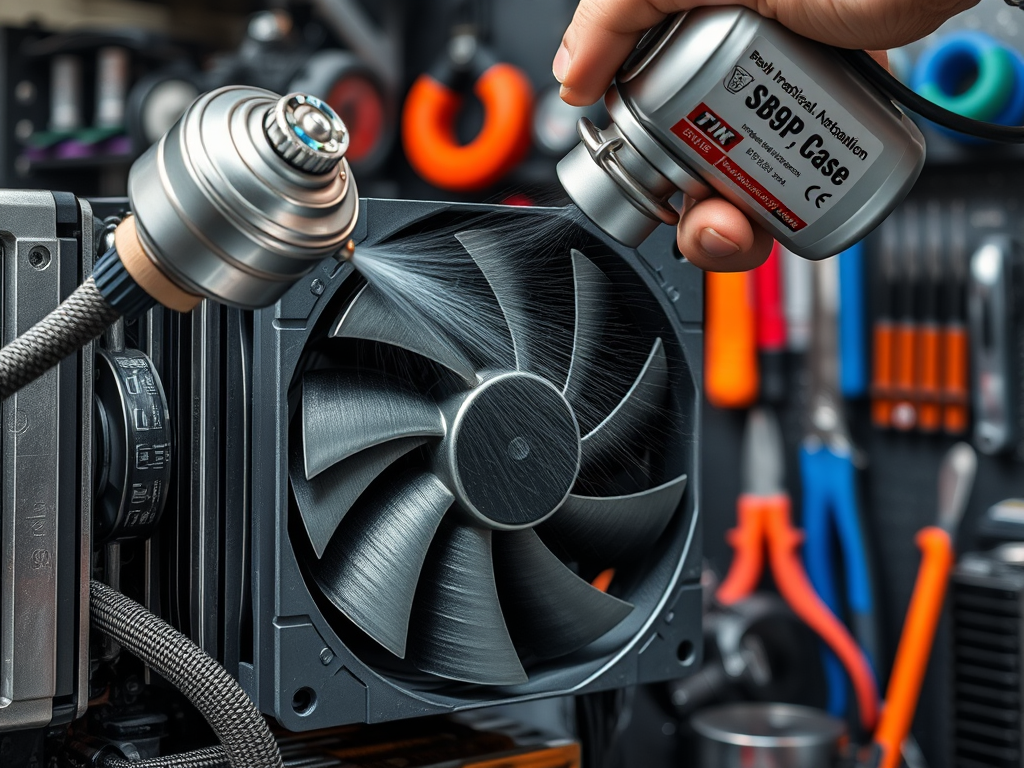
pixel 603 152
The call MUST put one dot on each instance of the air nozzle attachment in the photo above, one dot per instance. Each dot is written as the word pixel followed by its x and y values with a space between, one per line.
pixel 306 133
pixel 244 195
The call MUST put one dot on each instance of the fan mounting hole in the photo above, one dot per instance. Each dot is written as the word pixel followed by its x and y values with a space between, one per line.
pixel 686 653
pixel 304 701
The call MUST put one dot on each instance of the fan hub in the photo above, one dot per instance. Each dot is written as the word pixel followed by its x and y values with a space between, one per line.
pixel 513 451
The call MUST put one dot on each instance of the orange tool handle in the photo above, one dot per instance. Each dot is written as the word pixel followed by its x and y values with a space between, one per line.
pixel 747 540
pixel 428 129
pixel 883 375
pixel 905 368
pixel 915 643
pixel 929 413
pixel 792 582
pixel 954 384
pixel 731 378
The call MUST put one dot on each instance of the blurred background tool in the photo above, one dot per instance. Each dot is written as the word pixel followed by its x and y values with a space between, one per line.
pixel 765 735
pixel 771 327
pixel 763 521
pixel 905 331
pixel 754 649
pixel 853 363
pixel 883 329
pixel 829 484
pixel 432 145
pixel 929 339
pixel 797 275
pixel 955 354
pixel 994 312
pixel 937 545
pixel 731 375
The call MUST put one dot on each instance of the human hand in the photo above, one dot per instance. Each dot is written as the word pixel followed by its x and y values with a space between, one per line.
pixel 713 234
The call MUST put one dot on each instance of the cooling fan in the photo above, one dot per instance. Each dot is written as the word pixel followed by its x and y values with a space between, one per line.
pixel 451 519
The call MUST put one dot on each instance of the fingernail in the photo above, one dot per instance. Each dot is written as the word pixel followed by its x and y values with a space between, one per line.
pixel 715 245
pixel 560 66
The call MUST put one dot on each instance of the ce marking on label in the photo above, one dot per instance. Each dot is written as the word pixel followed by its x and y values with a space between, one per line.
pixel 819 200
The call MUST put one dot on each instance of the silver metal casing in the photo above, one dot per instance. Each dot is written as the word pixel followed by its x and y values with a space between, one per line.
pixel 46 243
pixel 706 55
pixel 224 216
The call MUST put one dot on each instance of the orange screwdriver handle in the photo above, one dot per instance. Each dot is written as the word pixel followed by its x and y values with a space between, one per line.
pixel 905 342
pixel 915 643
pixel 882 375
pixel 791 579
pixel 747 541
pixel 731 378
pixel 954 386
pixel 929 414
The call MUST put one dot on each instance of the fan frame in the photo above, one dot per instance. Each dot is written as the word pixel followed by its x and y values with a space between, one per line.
pixel 295 647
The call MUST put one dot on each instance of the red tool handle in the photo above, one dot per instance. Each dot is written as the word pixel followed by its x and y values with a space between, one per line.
pixel 792 582
pixel 731 378
pixel 747 541
pixel 771 316
pixel 915 643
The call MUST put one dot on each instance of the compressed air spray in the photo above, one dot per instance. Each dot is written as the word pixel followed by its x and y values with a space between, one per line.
pixel 723 101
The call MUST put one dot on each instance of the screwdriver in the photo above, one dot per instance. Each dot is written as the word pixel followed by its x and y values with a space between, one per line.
pixel 771 327
pixel 929 390
pixel 883 332
pixel 905 341
pixel 731 378
pixel 936 542
pixel 955 393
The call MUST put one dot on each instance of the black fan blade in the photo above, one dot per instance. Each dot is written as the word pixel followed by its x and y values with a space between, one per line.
pixel 345 412
pixel 632 413
pixel 551 611
pixel 371 316
pixel 326 499
pixel 591 287
pixel 371 568
pixel 613 529
pixel 458 630
pixel 490 253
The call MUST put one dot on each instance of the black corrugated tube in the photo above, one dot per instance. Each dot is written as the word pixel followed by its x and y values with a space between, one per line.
pixel 246 741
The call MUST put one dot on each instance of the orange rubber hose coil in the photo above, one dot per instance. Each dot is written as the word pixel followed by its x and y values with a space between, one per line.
pixel 428 130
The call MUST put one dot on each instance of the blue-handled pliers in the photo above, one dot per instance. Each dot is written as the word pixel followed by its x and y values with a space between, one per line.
pixel 828 475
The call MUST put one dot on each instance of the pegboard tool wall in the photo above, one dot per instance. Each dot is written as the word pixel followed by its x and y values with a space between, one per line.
pixel 898 483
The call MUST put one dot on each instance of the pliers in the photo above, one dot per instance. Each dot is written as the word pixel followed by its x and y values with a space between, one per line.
pixel 828 478
pixel 763 521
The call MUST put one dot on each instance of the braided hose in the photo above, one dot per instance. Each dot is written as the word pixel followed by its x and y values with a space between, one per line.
pixel 211 757
pixel 80 318
pixel 245 739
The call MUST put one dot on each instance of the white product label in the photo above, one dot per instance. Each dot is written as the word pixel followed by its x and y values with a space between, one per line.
pixel 779 137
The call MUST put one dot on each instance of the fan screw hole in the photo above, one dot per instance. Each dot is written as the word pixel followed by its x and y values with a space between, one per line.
pixel 317 287
pixel 686 653
pixel 326 656
pixel 518 449
pixel 39 257
pixel 304 701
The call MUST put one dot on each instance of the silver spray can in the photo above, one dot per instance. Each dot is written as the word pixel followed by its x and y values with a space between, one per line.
pixel 724 101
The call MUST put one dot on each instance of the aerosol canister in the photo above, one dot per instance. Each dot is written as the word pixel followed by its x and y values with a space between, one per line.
pixel 723 101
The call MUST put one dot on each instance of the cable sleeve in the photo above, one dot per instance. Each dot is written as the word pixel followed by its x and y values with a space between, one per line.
pixel 211 757
pixel 243 733
pixel 79 319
